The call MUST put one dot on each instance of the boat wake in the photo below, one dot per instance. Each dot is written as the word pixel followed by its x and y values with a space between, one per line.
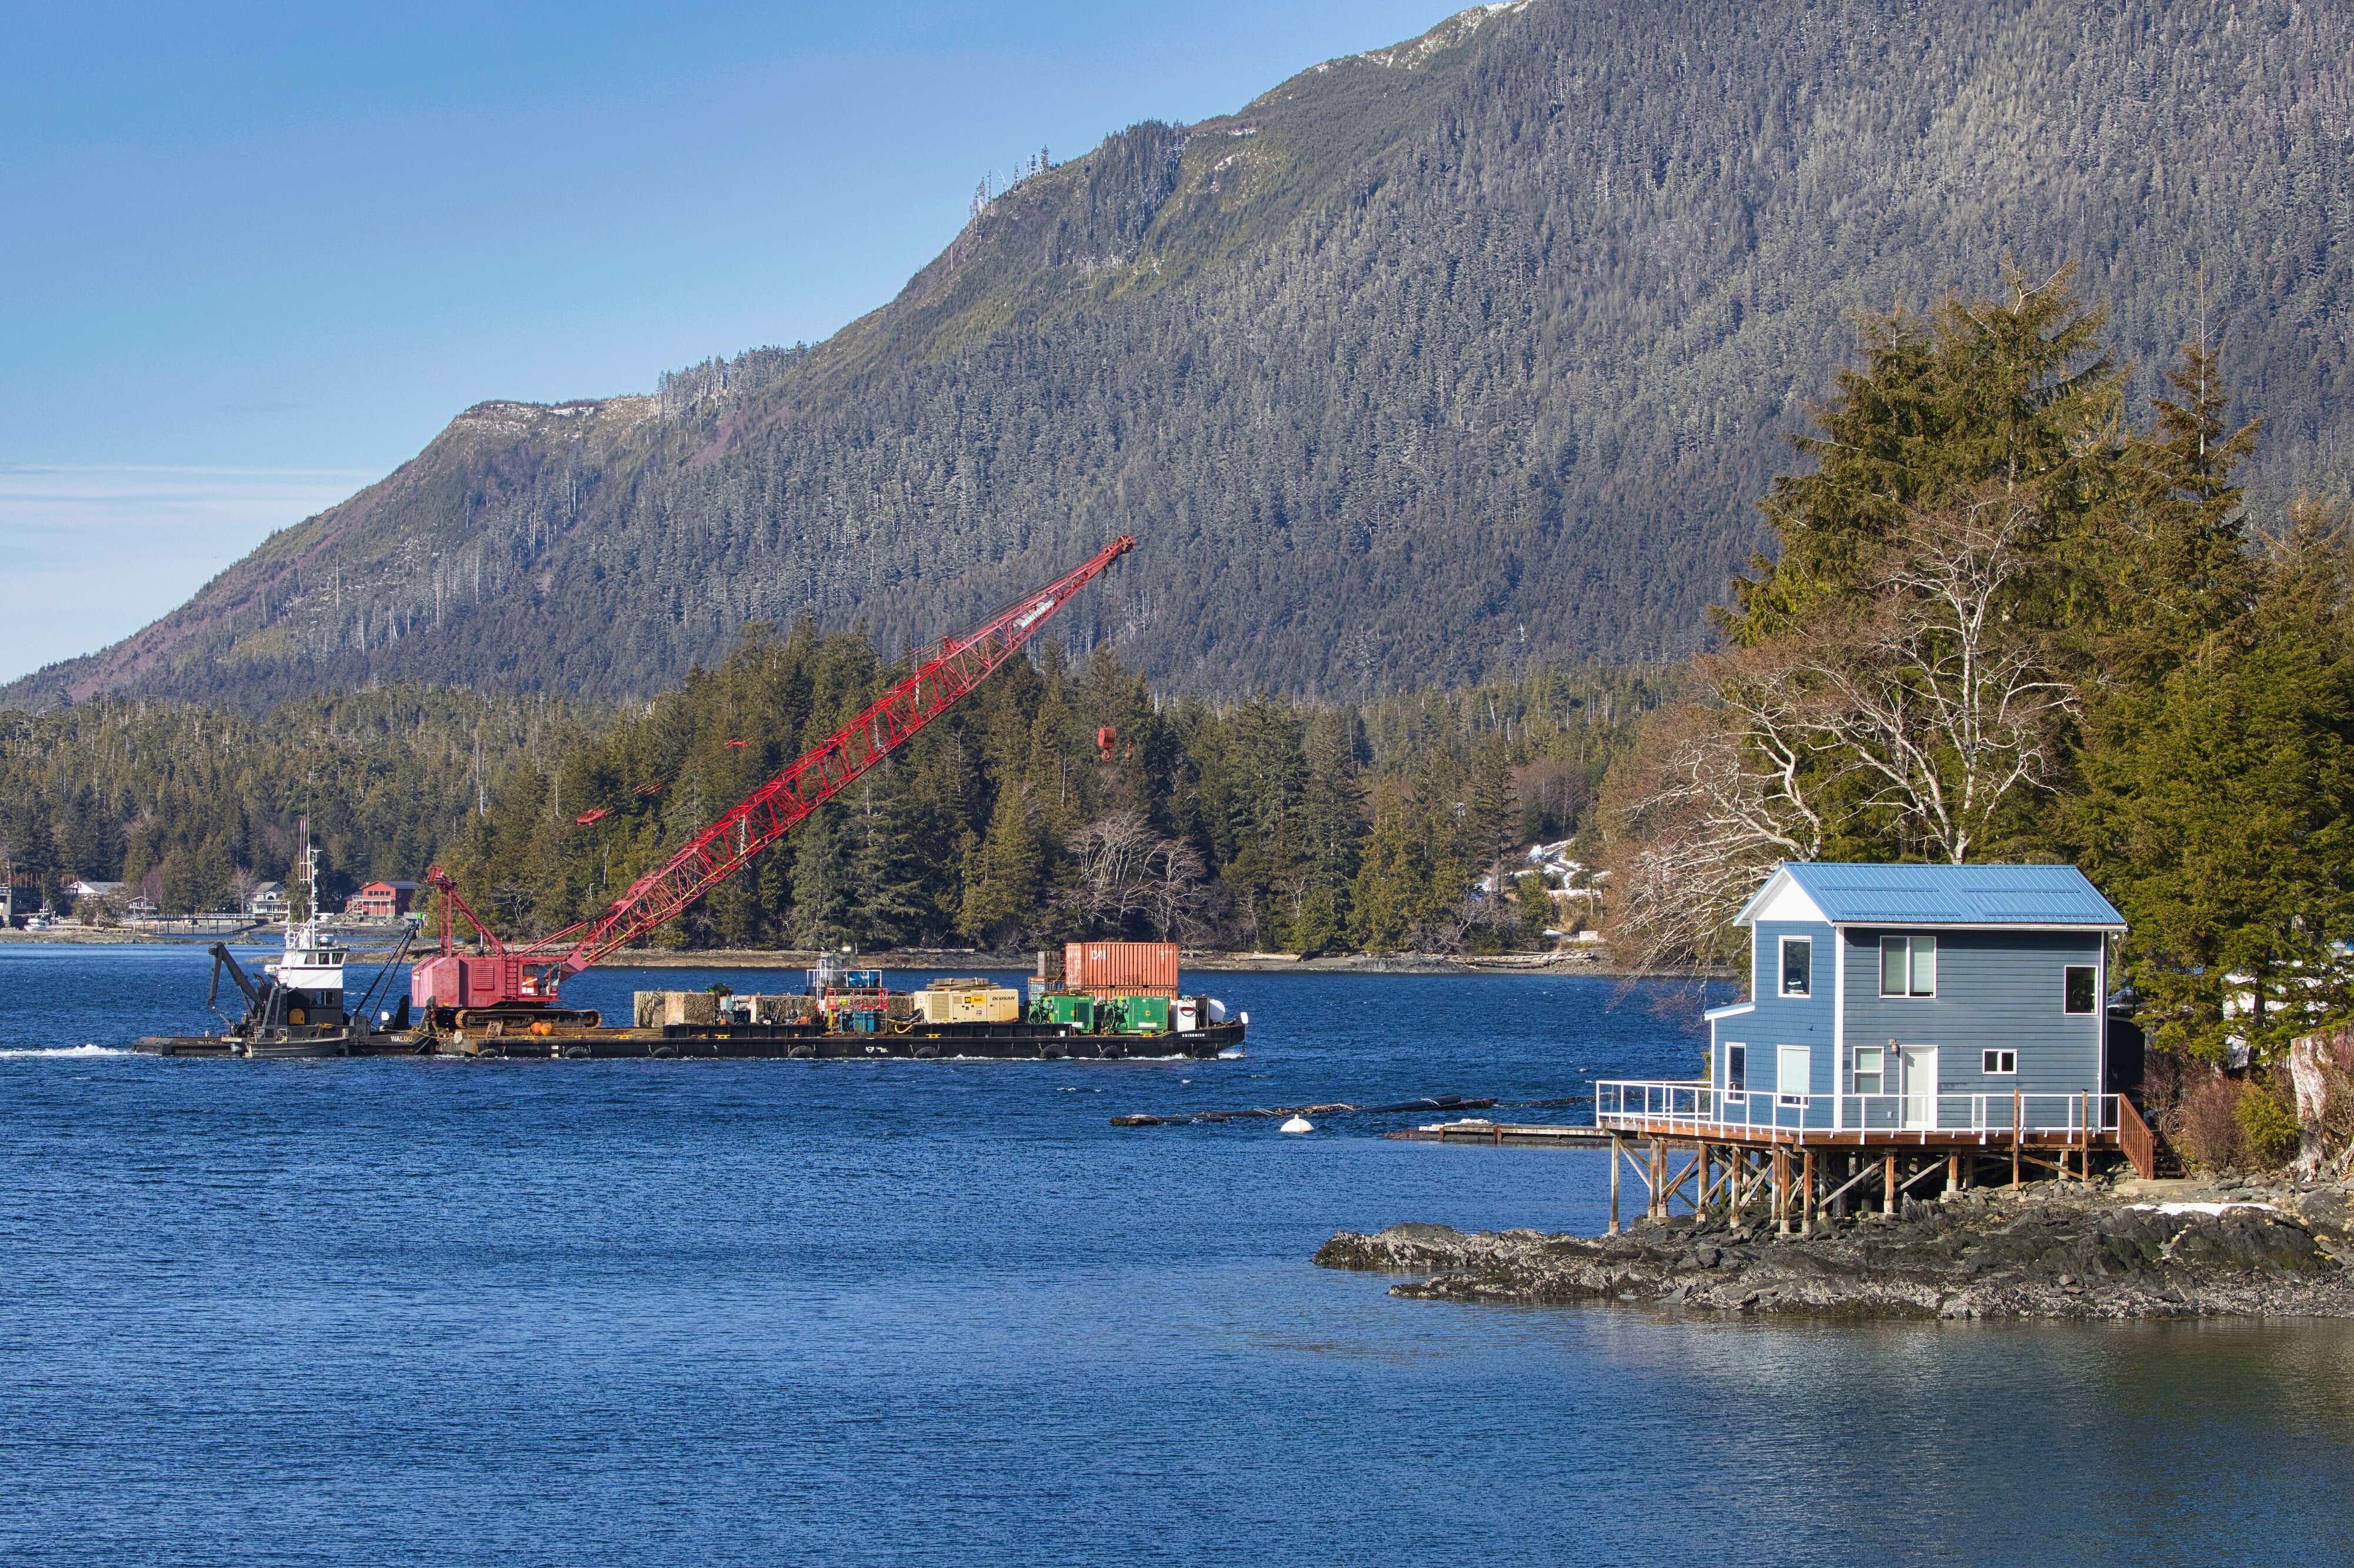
pixel 65 1051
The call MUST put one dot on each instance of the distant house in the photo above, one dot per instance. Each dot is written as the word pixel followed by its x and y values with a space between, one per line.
pixel 82 887
pixel 381 901
pixel 17 898
pixel 140 908
pixel 267 902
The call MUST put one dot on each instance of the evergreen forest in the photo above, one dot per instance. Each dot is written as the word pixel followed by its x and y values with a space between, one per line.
pixel 194 805
pixel 1009 821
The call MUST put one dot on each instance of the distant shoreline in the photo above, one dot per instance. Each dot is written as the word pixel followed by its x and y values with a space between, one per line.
pixel 1587 962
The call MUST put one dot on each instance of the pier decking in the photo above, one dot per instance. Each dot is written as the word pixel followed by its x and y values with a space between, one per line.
pixel 1797 1160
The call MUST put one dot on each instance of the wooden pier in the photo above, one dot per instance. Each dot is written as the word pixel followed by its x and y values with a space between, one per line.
pixel 1799 1179
pixel 1505 1135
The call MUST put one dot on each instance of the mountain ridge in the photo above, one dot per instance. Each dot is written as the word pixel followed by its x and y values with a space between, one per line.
pixel 1426 365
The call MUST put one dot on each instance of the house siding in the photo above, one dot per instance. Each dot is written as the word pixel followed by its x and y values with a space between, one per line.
pixel 1996 990
pixel 1775 1019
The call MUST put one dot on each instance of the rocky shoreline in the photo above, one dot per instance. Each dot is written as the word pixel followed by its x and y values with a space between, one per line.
pixel 2136 1249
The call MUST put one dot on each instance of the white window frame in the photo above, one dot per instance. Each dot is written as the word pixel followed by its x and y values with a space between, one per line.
pixel 2091 1012
pixel 2000 1064
pixel 1855 1069
pixel 1910 951
pixel 1782 968
pixel 1733 1097
pixel 1782 1053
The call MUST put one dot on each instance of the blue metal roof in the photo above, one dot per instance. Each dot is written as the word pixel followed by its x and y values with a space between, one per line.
pixel 1954 894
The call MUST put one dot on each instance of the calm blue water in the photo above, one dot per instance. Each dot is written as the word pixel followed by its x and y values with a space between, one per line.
pixel 924 1312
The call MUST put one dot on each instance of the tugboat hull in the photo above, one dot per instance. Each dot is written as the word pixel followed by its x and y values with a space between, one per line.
pixel 290 1045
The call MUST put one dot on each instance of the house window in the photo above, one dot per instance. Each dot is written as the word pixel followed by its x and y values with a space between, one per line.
pixel 2084 992
pixel 1793 1074
pixel 1908 966
pixel 1869 1060
pixel 1798 965
pixel 2002 1061
pixel 1736 1070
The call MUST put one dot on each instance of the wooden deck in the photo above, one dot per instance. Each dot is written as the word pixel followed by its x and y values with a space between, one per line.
pixel 1797 1178
pixel 1505 1135
pixel 1979 1140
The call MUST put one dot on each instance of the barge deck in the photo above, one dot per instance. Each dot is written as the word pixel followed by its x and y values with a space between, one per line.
pixel 945 1041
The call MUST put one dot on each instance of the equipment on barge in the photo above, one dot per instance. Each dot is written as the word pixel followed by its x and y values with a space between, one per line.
pixel 845 1011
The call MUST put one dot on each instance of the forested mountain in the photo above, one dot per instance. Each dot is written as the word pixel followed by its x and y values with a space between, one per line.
pixel 1433 364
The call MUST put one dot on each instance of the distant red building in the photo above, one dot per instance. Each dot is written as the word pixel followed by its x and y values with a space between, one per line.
pixel 381 900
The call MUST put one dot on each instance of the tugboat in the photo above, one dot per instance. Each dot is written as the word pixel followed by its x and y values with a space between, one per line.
pixel 297 1008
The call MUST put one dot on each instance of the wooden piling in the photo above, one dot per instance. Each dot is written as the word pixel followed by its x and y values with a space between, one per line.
pixel 1781 1190
pixel 1614 1153
pixel 1806 1185
pixel 2016 1131
pixel 1888 1184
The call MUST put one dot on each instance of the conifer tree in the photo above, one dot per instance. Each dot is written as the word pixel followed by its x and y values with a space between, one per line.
pixel 1491 812
pixel 1001 895
pixel 2016 391
pixel 1386 900
pixel 886 872
pixel 2220 810
pixel 1332 827
pixel 823 915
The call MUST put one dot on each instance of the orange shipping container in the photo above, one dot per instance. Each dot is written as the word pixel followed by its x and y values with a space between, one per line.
pixel 1130 968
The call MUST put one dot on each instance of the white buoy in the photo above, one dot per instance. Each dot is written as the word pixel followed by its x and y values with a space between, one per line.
pixel 1298 1124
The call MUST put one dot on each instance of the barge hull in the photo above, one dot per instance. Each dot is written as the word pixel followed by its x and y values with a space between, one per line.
pixel 986 1042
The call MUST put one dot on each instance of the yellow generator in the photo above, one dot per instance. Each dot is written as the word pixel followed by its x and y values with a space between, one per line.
pixel 968 1002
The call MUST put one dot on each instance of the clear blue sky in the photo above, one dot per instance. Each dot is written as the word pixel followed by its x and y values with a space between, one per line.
pixel 255 256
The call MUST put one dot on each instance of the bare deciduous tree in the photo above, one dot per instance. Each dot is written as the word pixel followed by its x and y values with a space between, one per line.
pixel 1127 871
pixel 1926 702
pixel 1700 813
pixel 1933 692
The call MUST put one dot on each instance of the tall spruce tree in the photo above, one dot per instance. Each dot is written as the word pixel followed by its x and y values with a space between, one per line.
pixel 886 874
pixel 1001 890
pixel 823 909
pixel 2017 390
pixel 1392 880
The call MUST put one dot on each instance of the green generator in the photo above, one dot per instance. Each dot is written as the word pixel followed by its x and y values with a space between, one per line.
pixel 1145 1014
pixel 1078 1011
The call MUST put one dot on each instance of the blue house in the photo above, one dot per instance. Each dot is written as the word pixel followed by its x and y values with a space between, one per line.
pixel 1918 999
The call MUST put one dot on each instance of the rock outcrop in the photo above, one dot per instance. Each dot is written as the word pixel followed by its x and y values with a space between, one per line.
pixel 2046 1252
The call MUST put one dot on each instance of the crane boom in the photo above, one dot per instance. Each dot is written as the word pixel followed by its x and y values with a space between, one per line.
pixel 939 682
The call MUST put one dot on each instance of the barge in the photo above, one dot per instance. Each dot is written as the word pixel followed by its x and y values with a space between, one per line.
pixel 1104 1002
pixel 978 1042
pixel 1128 1007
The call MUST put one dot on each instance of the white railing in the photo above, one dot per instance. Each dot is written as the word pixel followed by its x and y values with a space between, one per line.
pixel 1639 1103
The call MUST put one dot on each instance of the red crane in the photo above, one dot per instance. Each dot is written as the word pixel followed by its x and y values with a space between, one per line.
pixel 524 980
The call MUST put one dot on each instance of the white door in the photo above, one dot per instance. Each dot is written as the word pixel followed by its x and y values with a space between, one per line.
pixel 1918 1066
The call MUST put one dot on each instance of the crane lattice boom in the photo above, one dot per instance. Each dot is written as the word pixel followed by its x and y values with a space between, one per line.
pixel 528 975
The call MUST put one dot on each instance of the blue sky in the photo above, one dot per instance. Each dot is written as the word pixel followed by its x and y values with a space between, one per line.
pixel 255 256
